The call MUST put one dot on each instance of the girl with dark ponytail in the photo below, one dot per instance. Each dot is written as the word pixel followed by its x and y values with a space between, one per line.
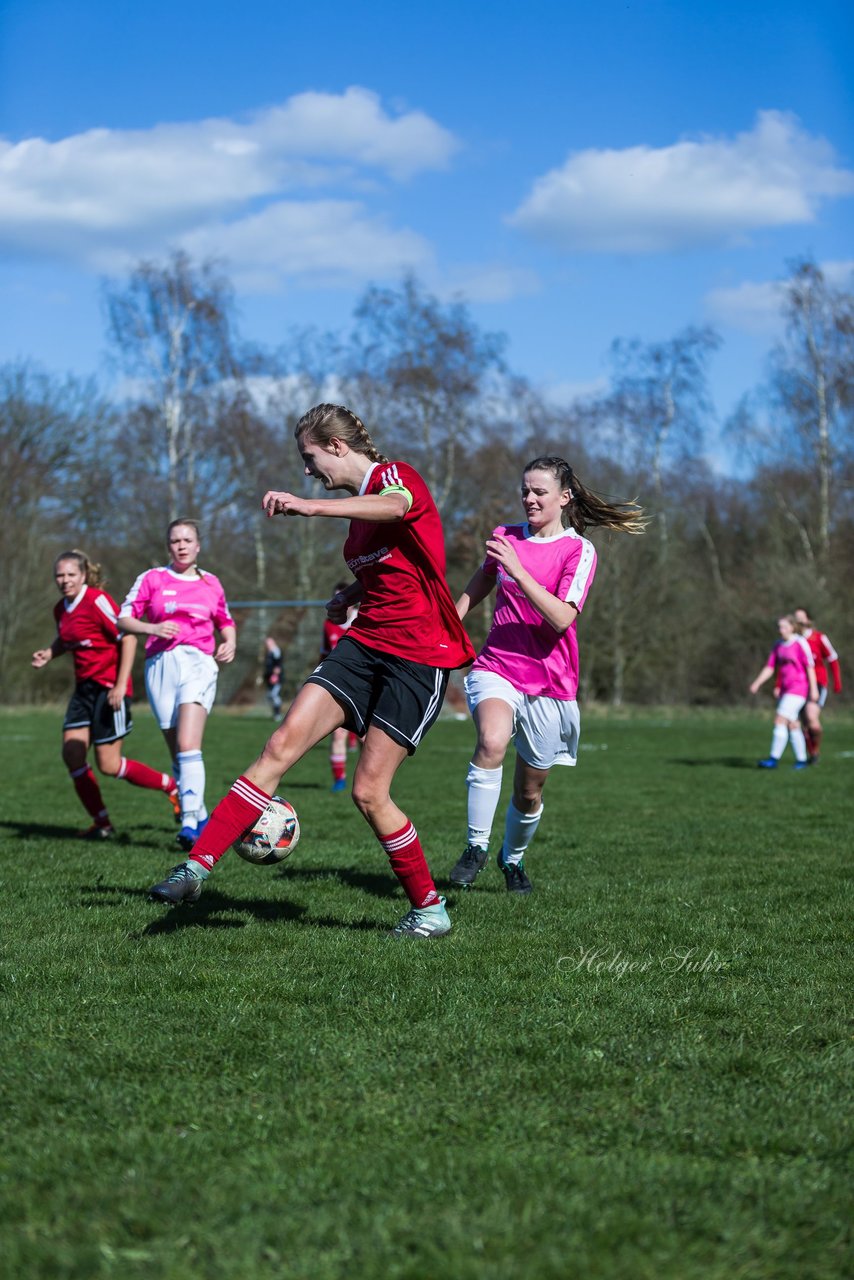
pixel 524 682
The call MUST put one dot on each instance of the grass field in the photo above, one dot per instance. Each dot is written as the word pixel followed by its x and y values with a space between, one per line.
pixel 642 1070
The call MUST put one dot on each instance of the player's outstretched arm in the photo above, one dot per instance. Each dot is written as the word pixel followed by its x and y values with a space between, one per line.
pixel 477 590
pixel 765 674
pixel 378 508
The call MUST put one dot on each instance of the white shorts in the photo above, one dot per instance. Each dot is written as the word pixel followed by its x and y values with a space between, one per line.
pixel 545 730
pixel 790 706
pixel 179 675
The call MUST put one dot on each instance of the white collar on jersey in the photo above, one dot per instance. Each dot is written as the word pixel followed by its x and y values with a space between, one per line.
pixel 370 471
pixel 72 604
pixel 564 533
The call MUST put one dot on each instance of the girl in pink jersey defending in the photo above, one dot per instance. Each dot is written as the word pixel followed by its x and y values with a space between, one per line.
pixel 524 683
pixel 385 679
pixel 791 662
pixel 99 712
pixel 179 608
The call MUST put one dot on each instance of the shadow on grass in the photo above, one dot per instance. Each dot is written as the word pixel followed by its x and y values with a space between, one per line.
pixel 206 913
pixel 122 840
pixel 728 762
pixel 374 883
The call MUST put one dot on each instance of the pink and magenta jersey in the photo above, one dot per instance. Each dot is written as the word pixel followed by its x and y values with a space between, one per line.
pixel 791 660
pixel 405 607
pixel 198 605
pixel 521 645
pixel 87 628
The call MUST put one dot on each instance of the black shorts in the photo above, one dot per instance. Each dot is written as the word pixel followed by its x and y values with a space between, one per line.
pixel 400 697
pixel 89 709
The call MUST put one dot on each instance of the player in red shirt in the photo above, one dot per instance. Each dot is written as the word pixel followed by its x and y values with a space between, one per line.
pixel 385 679
pixel 824 656
pixel 99 710
pixel 338 741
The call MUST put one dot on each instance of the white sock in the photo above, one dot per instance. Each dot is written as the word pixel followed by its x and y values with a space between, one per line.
pixel 519 831
pixel 484 793
pixel 191 787
pixel 778 740
pixel 799 743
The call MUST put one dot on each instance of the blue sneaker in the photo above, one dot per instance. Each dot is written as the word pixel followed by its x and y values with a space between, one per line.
pixel 340 784
pixel 423 922
pixel 183 884
pixel 769 763
pixel 801 764
pixel 188 835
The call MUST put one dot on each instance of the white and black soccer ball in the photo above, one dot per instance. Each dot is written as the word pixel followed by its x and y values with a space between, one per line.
pixel 272 837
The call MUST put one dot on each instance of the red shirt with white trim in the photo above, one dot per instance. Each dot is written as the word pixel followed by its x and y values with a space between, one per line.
pixel 88 629
pixel 823 652
pixel 406 606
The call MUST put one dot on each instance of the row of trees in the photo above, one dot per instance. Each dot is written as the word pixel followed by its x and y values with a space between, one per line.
pixel 682 614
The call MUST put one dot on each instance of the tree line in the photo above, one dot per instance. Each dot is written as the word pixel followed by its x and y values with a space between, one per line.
pixel 205 426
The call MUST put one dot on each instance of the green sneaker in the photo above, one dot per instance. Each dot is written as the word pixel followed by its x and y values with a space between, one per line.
pixel 183 884
pixel 423 922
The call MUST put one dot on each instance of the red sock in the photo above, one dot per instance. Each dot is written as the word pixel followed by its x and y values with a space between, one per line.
pixel 139 775
pixel 86 786
pixel 339 767
pixel 410 866
pixel 237 810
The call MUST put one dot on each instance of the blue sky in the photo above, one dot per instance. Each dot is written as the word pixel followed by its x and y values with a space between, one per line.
pixel 578 172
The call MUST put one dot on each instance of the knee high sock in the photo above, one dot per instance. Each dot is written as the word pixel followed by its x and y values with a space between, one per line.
pixel 778 740
pixel 519 831
pixel 86 786
pixel 410 866
pixel 338 762
pixel 484 792
pixel 191 787
pixel 799 746
pixel 238 810
pixel 139 775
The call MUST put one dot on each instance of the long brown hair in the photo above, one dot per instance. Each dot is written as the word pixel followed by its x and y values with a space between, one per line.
pixel 327 421
pixel 586 507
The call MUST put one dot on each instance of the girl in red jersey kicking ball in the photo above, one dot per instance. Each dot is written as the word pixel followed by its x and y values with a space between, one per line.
pixel 99 710
pixel 385 679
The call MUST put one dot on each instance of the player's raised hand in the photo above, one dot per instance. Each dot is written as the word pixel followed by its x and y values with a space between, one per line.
pixel 275 503
pixel 336 608
pixel 502 550
pixel 42 657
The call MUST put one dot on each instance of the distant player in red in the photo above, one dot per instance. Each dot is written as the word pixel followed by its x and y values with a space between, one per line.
pixel 332 633
pixel 824 655
pixel 99 711
pixel 385 679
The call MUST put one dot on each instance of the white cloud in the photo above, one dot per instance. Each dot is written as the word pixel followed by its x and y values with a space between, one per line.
pixel 710 191
pixel 491 283
pixel 106 196
pixel 755 306
pixel 328 239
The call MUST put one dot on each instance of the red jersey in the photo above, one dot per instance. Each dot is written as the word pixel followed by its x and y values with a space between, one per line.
pixel 88 629
pixel 332 633
pixel 406 607
pixel 822 650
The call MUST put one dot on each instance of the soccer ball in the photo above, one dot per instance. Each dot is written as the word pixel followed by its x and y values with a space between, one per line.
pixel 272 837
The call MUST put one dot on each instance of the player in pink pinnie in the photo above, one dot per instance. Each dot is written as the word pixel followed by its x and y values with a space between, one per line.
pixel 99 713
pixel 179 607
pixel 524 682
pixel 791 663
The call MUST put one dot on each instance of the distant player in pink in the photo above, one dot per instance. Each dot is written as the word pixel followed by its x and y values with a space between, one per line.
pixel 524 682
pixel 385 679
pixel 99 712
pixel 824 655
pixel 790 663
pixel 179 607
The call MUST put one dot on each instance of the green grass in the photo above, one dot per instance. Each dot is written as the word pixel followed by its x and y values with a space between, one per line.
pixel 640 1071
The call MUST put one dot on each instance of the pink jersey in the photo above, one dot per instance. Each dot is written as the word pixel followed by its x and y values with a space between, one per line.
pixel 791 660
pixel 521 645
pixel 198 605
